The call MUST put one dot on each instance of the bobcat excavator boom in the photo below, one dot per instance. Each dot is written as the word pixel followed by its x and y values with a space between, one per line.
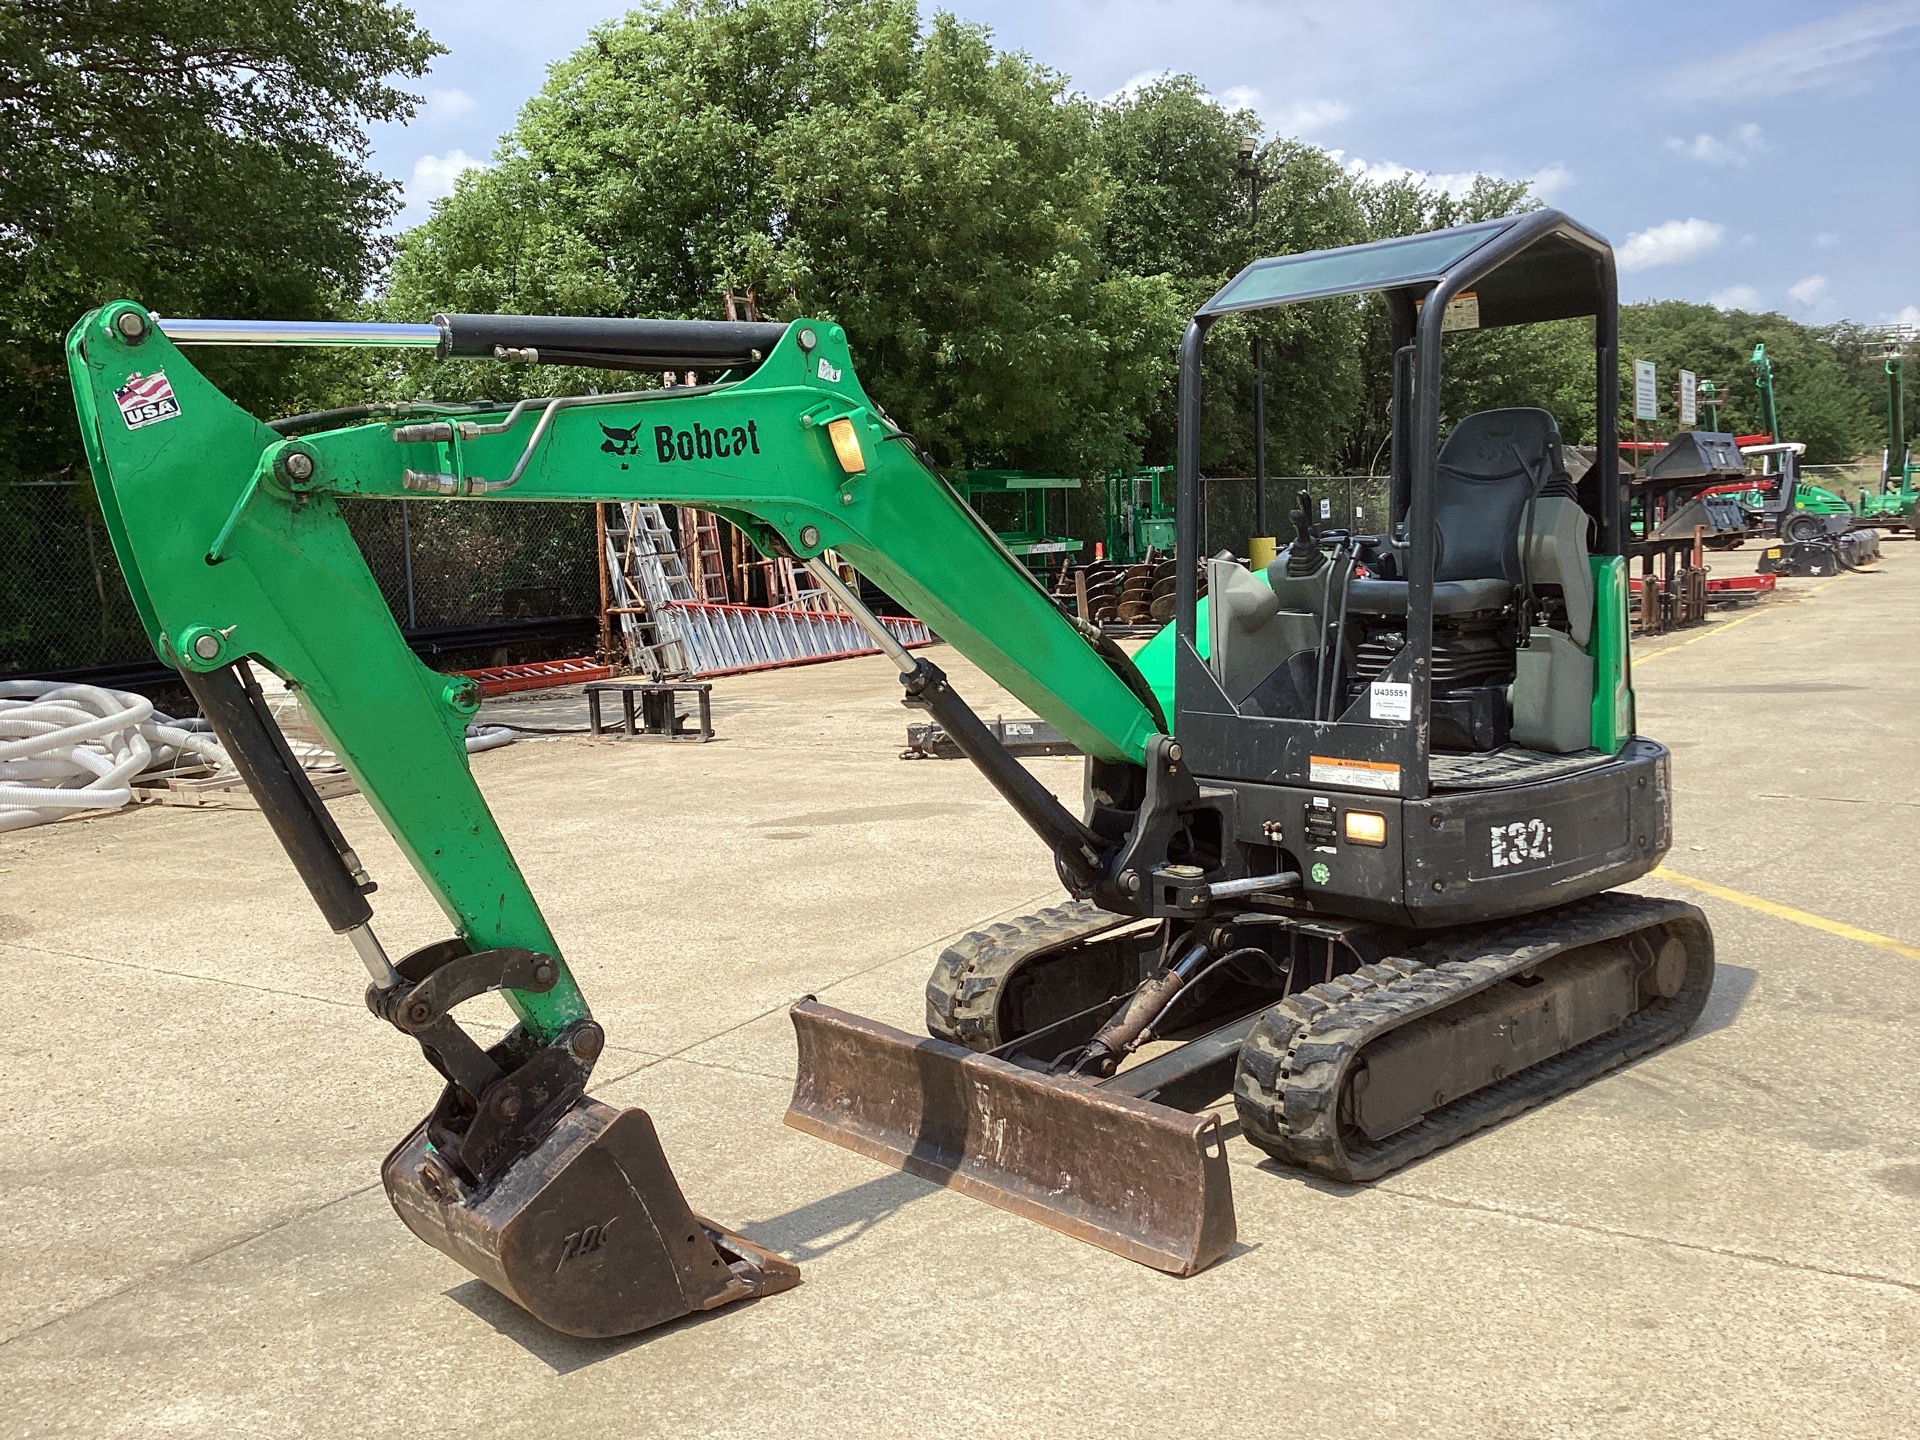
pixel 233 544
pixel 1351 825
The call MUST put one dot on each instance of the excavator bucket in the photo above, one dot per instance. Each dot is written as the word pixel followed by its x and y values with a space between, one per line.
pixel 1143 1180
pixel 589 1232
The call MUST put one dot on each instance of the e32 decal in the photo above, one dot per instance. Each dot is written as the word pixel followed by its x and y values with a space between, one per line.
pixel 1521 842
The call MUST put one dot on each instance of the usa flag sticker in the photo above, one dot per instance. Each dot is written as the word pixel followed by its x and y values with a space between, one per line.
pixel 146 400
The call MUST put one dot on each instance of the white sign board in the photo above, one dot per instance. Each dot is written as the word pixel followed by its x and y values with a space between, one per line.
pixel 1646 403
pixel 1689 405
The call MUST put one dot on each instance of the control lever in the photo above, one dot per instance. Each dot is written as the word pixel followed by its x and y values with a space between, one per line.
pixel 1303 555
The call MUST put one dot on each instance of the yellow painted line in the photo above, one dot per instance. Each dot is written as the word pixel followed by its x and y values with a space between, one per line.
pixel 1724 626
pixel 1787 912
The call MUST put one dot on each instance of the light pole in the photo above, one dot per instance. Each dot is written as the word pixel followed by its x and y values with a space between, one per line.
pixel 1250 171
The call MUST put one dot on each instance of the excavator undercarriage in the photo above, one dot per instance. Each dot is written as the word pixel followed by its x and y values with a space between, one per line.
pixel 1348 1050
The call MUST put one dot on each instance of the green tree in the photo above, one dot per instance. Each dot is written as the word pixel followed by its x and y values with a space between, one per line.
pixel 1548 365
pixel 204 158
pixel 200 157
pixel 1818 399
pixel 940 199
pixel 1180 204
pixel 1861 351
pixel 1183 209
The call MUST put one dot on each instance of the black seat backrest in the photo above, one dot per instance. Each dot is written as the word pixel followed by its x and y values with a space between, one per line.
pixel 1491 465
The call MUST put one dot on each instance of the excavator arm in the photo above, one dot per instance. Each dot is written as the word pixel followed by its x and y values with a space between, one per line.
pixel 235 548
pixel 236 553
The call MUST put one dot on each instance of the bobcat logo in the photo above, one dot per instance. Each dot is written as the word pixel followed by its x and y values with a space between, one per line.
pixel 621 442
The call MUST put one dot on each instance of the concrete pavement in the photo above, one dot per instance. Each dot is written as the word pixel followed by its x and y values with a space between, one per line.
pixel 1719 1240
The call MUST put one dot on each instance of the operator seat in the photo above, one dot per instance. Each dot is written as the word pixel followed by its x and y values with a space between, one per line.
pixel 1491 465
pixel 1507 521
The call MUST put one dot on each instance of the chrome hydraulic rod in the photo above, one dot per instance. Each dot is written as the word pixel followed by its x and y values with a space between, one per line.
pixel 1254 885
pixel 298 332
pixel 373 955
pixel 888 642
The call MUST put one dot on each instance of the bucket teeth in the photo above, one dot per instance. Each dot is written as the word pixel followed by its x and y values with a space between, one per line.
pixel 1143 1180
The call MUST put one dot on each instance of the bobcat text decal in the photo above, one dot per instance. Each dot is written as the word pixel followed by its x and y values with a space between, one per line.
pixel 721 442
pixel 700 443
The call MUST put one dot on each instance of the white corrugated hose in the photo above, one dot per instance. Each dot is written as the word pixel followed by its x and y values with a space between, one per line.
pixel 66 748
pixel 78 747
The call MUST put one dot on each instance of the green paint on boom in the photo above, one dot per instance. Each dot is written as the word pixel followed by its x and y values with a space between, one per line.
pixel 226 529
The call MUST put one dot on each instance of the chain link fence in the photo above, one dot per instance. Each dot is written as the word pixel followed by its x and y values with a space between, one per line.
pixel 1341 502
pixel 64 604
pixel 450 564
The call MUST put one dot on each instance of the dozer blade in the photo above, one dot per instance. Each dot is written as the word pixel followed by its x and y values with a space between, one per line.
pixel 589 1233
pixel 1145 1181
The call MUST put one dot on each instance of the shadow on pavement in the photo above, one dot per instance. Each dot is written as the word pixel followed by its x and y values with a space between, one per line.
pixel 833 1220
pixel 1731 986
pixel 802 1235
pixel 564 1354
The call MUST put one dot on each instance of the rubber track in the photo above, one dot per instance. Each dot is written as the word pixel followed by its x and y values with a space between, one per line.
pixel 1293 1067
pixel 964 990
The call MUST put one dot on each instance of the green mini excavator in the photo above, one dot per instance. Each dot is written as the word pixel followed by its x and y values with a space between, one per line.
pixel 1351 826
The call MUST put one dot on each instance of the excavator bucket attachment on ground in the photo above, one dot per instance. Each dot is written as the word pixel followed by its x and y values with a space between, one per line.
pixel 589 1233
pixel 1143 1180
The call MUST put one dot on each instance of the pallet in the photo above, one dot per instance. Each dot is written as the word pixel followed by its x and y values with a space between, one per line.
pixel 211 790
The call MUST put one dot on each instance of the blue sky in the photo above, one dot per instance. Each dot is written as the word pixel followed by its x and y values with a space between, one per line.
pixel 1760 154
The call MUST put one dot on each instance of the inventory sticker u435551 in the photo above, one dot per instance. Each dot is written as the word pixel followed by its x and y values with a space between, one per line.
pixel 146 400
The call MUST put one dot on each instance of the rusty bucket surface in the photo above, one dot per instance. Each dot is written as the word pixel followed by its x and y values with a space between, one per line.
pixel 1145 1181
pixel 589 1233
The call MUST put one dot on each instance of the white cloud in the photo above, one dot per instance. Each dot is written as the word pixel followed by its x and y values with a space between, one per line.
pixel 1549 181
pixel 1909 315
pixel 1296 118
pixel 1305 117
pixel 1735 297
pixel 1301 117
pixel 433 179
pixel 1672 242
pixel 1740 146
pixel 1826 240
pixel 1805 292
pixel 1546 182
pixel 447 105
pixel 1135 85
pixel 1824 52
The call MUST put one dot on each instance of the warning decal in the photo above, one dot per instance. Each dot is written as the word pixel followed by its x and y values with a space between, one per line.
pixel 1462 312
pixel 1359 774
pixel 146 400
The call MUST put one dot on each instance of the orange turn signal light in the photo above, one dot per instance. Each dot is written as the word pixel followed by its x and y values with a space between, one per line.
pixel 1366 827
pixel 846 445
